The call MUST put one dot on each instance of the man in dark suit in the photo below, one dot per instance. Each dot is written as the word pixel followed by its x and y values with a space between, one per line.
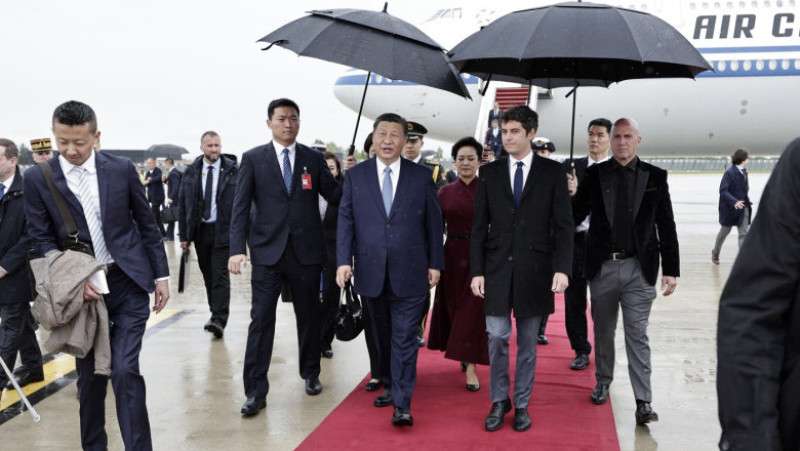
pixel 154 188
pixel 495 113
pixel 758 352
pixel 520 254
pixel 734 202
pixel 173 190
pixel 494 140
pixel 599 142
pixel 391 223
pixel 106 200
pixel 282 180
pixel 205 204
pixel 17 326
pixel 631 224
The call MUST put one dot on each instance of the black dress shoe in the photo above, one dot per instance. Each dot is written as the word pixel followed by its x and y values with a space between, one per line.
pixel 313 386
pixel 27 376
pixel 495 418
pixel 402 417
pixel 214 328
pixel 327 354
pixel 542 340
pixel 600 394
pixel 385 399
pixel 522 422
pixel 253 405
pixel 373 385
pixel 581 362
pixel 645 413
pixel 420 342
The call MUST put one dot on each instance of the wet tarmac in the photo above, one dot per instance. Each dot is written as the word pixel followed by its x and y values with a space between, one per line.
pixel 194 382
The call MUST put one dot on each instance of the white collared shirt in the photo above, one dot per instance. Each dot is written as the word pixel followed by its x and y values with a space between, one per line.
pixel 526 168
pixel 279 152
pixel 214 184
pixel 7 183
pixel 584 226
pixel 395 175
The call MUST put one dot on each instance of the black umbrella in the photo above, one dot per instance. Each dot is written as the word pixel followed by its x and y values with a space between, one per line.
pixel 373 41
pixel 578 41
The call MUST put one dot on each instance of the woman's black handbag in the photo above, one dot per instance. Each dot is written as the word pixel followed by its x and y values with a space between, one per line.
pixel 350 319
pixel 169 214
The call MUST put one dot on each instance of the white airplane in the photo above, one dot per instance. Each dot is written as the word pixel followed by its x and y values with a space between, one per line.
pixel 750 100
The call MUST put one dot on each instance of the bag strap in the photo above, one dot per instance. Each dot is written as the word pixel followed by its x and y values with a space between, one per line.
pixel 61 202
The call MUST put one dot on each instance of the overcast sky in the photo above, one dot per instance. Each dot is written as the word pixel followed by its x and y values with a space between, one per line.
pixel 158 71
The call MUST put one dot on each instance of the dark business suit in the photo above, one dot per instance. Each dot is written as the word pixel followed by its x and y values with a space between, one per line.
pixel 155 195
pixel 211 239
pixel 286 242
pixel 330 291
pixel 733 188
pixel 392 256
pixel 495 143
pixel 576 294
pixel 494 115
pixel 173 191
pixel 134 242
pixel 758 337
pixel 17 326
pixel 629 282
pixel 518 249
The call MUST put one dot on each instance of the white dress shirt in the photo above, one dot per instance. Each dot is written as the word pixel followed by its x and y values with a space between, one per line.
pixel 279 152
pixel 395 175
pixel 74 183
pixel 526 168
pixel 214 184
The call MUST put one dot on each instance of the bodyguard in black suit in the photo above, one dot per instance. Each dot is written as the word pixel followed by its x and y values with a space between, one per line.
pixel 520 254
pixel 599 142
pixel 16 329
pixel 205 204
pixel 173 190
pixel 154 188
pixel 631 225
pixel 758 337
pixel 286 243
pixel 734 202
pixel 107 202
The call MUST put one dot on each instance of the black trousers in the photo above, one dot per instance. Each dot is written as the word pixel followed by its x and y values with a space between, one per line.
pixel 156 208
pixel 330 302
pixel 171 230
pixel 17 334
pixel 575 301
pixel 128 311
pixel 213 262
pixel 266 282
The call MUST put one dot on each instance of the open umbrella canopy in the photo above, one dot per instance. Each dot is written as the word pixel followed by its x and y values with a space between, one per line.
pixel 579 41
pixel 374 41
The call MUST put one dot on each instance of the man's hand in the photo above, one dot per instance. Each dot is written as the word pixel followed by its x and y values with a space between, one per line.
pixel 560 282
pixel 477 286
pixel 169 201
pixel 349 162
pixel 91 292
pixel 2 273
pixel 236 263
pixel 161 295
pixel 739 205
pixel 184 245
pixel 572 183
pixel 668 284
pixel 433 277
pixel 343 274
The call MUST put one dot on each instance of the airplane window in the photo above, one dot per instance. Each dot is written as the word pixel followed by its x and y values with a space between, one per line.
pixel 456 13
pixel 747 65
pixel 721 66
pixel 741 4
pixel 729 5
pixel 760 65
pixel 784 64
pixel 754 4
pixel 692 5
pixel 644 7
pixel 773 64
pixel 779 3
pixel 705 5
pixel 734 66
pixel 797 64
pixel 717 5
pixel 766 4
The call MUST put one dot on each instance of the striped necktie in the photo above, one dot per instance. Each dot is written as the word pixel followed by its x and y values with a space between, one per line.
pixel 92 215
pixel 287 171
pixel 386 191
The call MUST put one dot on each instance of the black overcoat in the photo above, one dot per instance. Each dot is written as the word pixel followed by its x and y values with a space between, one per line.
pixel 14 245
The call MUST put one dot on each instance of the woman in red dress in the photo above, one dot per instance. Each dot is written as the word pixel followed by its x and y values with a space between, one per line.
pixel 458 324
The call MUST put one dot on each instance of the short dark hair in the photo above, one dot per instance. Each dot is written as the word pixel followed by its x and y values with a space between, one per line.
pixel 468 141
pixel 75 113
pixel 368 144
pixel 392 117
pixel 600 122
pixel 282 102
pixel 740 156
pixel 169 161
pixel 211 133
pixel 11 148
pixel 524 115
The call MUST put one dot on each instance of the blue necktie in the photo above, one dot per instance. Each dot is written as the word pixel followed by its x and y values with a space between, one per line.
pixel 287 171
pixel 2 190
pixel 386 192
pixel 518 183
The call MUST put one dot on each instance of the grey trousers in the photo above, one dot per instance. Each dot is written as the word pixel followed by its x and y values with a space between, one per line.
pixel 725 230
pixel 499 330
pixel 621 283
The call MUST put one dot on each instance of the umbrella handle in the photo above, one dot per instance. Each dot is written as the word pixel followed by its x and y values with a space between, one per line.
pixel 352 149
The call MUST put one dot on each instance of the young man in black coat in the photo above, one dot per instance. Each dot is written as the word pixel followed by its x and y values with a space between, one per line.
pixel 17 326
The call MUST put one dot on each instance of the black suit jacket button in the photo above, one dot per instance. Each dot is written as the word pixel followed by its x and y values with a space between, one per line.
pixel 388 226
pixel 511 259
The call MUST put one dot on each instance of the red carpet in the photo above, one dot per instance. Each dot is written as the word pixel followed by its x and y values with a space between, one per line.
pixel 448 417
